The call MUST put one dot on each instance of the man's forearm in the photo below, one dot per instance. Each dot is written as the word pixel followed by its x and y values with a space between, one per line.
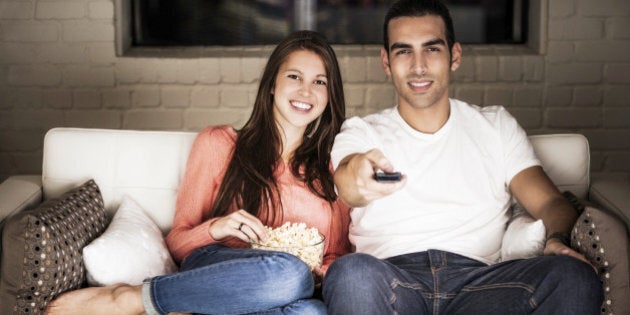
pixel 559 216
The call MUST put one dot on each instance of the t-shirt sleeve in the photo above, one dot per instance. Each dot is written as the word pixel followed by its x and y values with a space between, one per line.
pixel 354 137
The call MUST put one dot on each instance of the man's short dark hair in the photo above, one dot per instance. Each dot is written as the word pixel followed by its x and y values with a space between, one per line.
pixel 418 8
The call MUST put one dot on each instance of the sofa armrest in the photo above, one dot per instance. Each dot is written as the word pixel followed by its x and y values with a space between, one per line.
pixel 18 193
pixel 602 238
pixel 611 193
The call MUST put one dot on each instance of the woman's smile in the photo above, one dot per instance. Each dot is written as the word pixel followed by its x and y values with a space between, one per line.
pixel 301 106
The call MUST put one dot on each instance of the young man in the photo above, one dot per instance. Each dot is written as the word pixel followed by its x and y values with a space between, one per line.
pixel 430 242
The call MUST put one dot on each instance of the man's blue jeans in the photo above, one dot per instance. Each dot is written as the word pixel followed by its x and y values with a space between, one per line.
pixel 438 282
pixel 220 280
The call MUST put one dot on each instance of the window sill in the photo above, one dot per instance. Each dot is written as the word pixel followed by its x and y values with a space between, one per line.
pixel 341 50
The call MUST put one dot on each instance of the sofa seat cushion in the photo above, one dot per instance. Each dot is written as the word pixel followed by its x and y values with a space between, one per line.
pixel 41 255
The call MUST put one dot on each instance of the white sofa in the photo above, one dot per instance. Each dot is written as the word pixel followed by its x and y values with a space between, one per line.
pixel 148 165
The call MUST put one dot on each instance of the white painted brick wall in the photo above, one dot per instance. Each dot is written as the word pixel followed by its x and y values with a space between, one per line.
pixel 16 10
pixel 94 118
pixel 101 10
pixel 60 10
pixel 58 68
pixel 145 97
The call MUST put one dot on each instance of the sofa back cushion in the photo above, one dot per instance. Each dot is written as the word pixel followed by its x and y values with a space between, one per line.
pixel 566 159
pixel 146 165
pixel 149 165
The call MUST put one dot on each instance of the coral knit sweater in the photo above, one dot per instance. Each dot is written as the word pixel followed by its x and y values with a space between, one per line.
pixel 205 169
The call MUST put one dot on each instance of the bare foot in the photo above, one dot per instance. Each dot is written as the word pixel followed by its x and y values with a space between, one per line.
pixel 114 299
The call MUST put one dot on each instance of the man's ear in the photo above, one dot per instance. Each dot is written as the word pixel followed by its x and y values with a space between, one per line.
pixel 456 56
pixel 385 62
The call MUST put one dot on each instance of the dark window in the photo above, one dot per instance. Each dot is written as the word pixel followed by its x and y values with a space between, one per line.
pixel 266 22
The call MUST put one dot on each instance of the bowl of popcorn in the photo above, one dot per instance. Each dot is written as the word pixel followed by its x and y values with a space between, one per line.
pixel 297 239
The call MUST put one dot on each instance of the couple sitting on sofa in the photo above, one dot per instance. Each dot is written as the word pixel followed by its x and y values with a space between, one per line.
pixel 427 241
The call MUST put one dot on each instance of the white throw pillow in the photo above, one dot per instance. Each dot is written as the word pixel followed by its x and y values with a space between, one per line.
pixel 130 250
pixel 524 237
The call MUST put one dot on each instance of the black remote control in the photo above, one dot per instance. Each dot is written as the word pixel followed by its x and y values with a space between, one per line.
pixel 387 177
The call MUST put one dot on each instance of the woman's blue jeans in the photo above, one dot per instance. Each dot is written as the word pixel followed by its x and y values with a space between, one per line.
pixel 216 279
pixel 438 282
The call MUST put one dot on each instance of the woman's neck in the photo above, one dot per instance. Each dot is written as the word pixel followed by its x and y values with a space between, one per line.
pixel 290 143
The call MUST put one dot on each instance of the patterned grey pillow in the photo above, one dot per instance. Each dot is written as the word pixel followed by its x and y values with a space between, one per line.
pixel 602 239
pixel 41 255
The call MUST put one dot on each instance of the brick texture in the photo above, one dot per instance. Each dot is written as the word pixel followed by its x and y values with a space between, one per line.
pixel 58 67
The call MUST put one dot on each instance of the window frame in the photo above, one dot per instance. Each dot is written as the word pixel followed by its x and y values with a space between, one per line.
pixel 536 37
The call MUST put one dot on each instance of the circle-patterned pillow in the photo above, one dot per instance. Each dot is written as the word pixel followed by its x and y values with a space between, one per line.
pixel 51 238
pixel 601 238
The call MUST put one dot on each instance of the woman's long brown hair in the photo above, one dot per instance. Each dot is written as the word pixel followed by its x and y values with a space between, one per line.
pixel 249 181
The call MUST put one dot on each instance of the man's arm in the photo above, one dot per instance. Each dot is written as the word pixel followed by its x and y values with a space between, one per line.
pixel 355 182
pixel 533 189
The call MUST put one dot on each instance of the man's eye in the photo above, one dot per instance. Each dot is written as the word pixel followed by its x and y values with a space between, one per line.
pixel 402 52
pixel 433 49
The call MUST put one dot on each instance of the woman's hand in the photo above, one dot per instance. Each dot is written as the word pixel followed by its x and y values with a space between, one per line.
pixel 240 224
pixel 318 276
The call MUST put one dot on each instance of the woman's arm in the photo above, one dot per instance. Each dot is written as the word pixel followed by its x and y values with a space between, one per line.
pixel 338 242
pixel 205 168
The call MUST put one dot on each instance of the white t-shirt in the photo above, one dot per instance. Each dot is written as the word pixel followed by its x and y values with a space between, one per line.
pixel 456 196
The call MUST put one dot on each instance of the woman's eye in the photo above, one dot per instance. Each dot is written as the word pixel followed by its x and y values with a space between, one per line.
pixel 293 76
pixel 320 82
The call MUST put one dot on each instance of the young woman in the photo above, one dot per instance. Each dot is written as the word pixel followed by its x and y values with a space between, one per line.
pixel 275 169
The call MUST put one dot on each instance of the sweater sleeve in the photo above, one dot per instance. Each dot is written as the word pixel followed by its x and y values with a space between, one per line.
pixel 338 243
pixel 205 169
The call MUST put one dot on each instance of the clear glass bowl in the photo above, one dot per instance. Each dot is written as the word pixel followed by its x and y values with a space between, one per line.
pixel 312 254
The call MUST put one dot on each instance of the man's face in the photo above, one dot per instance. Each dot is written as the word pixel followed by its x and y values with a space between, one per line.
pixel 419 61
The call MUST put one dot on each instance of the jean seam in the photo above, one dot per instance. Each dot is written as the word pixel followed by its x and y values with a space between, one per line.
pixel 435 271
pixel 524 286
pixel 148 302
pixel 436 288
pixel 397 283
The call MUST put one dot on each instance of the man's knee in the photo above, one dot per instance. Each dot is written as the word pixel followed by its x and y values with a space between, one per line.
pixel 574 272
pixel 353 266
pixel 576 279
pixel 353 271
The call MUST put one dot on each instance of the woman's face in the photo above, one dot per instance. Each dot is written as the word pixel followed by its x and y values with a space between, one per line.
pixel 300 92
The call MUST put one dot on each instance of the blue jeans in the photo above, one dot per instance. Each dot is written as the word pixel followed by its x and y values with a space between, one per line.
pixel 438 282
pixel 216 279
